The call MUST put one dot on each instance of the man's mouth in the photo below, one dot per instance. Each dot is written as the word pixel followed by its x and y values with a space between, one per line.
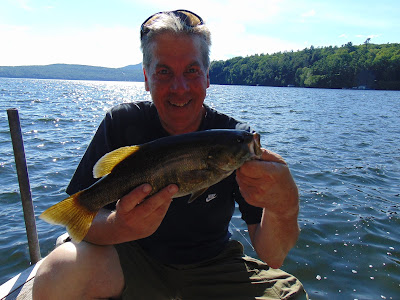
pixel 180 104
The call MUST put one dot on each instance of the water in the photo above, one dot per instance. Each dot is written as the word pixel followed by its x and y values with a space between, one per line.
pixel 342 146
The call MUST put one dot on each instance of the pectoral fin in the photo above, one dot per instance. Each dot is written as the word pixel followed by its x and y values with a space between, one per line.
pixel 196 194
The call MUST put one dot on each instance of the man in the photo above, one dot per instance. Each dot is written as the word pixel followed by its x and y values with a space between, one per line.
pixel 156 248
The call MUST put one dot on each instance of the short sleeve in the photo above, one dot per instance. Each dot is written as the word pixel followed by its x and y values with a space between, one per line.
pixel 250 214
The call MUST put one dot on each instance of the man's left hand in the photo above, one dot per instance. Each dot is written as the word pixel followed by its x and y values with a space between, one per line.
pixel 267 183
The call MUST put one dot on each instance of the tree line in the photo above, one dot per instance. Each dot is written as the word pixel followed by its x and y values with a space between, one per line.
pixel 370 66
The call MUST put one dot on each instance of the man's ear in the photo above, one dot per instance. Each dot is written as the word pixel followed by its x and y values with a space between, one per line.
pixel 208 78
pixel 146 83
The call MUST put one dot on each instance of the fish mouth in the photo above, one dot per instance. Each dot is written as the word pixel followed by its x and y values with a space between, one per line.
pixel 255 147
pixel 180 104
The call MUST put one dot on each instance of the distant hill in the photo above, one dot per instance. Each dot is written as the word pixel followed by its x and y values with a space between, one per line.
pixel 74 72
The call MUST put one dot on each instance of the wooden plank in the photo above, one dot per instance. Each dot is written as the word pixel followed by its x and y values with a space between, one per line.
pixel 20 286
pixel 23 293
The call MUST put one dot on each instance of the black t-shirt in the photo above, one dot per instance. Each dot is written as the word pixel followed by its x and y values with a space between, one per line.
pixel 191 232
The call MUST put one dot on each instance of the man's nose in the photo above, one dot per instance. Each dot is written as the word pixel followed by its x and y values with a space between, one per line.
pixel 179 84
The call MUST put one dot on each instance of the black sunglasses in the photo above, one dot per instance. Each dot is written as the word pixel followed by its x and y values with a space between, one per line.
pixel 190 19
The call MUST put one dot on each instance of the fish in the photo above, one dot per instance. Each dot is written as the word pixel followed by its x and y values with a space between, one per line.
pixel 193 161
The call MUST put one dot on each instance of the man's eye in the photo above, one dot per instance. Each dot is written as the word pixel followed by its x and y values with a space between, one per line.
pixel 163 71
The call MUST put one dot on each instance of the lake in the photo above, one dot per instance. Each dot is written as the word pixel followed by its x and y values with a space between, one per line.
pixel 343 148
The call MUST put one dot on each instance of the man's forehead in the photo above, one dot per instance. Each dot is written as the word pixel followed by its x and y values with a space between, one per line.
pixel 170 65
pixel 174 50
pixel 166 38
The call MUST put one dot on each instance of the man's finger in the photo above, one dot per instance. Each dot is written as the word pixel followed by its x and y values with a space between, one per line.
pixel 268 155
pixel 130 200
pixel 159 201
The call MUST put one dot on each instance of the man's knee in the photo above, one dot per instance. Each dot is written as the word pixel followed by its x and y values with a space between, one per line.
pixel 58 263
pixel 71 270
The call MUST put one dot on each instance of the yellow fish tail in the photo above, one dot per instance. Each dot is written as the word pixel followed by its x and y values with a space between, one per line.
pixel 71 214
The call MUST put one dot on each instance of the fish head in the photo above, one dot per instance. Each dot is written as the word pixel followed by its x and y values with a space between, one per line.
pixel 233 149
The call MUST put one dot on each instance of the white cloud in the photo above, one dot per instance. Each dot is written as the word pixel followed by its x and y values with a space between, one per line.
pixel 237 30
pixel 234 11
pixel 24 4
pixel 370 36
pixel 228 11
pixel 227 45
pixel 230 22
pixel 99 46
pixel 309 14
pixel 119 46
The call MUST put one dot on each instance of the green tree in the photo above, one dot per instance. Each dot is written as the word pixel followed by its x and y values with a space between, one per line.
pixel 374 66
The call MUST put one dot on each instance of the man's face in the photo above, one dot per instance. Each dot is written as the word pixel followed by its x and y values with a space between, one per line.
pixel 177 81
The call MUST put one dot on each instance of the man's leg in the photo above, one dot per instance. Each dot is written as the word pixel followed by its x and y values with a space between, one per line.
pixel 79 271
pixel 234 276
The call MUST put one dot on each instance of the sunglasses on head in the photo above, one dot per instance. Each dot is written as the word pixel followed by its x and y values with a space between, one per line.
pixel 190 19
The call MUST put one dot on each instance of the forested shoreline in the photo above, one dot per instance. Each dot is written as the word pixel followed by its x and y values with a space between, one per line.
pixel 367 66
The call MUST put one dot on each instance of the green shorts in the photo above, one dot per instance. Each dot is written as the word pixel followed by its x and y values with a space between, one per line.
pixel 230 275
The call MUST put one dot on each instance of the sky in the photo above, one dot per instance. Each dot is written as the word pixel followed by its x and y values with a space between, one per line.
pixel 106 33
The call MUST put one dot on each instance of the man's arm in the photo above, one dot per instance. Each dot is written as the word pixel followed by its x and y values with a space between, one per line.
pixel 134 218
pixel 269 184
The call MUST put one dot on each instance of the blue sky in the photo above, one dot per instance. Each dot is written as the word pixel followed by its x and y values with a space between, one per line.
pixel 106 33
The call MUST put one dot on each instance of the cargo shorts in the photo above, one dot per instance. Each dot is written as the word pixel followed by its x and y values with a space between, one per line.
pixel 231 275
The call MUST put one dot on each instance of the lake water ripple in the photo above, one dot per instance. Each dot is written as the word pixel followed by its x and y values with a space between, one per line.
pixel 342 147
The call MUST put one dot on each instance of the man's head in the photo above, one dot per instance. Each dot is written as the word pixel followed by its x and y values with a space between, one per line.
pixel 179 22
pixel 176 60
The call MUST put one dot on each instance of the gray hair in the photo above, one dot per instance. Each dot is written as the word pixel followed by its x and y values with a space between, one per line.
pixel 170 23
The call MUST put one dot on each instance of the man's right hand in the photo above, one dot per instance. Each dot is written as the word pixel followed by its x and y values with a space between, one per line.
pixel 139 217
pixel 135 216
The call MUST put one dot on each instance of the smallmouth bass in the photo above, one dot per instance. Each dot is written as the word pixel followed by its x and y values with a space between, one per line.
pixel 193 161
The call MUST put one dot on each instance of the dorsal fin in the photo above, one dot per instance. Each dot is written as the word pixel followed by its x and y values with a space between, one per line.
pixel 107 163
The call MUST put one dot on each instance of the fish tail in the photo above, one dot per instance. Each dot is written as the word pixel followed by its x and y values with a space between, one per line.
pixel 71 214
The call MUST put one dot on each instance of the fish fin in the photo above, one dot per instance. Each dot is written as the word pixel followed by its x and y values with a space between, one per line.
pixel 196 194
pixel 71 214
pixel 107 163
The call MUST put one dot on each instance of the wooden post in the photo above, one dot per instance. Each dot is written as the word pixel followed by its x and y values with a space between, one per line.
pixel 24 186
